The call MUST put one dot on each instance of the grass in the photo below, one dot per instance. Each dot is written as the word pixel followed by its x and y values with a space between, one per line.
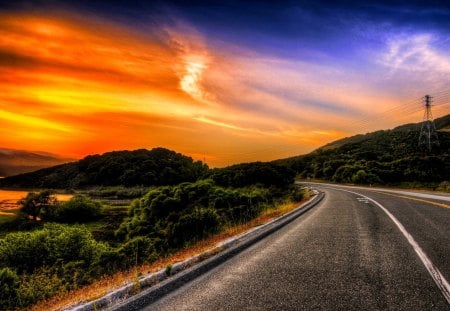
pixel 103 229
pixel 9 215
pixel 109 283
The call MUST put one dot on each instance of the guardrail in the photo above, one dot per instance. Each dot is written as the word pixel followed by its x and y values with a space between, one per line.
pixel 158 284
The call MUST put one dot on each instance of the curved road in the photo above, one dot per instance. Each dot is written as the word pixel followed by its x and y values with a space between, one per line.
pixel 344 254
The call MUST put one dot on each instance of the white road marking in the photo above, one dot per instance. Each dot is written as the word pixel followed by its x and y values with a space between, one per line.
pixel 441 197
pixel 437 276
pixel 364 200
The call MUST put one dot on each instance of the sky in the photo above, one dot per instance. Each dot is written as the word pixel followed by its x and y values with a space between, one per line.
pixel 221 81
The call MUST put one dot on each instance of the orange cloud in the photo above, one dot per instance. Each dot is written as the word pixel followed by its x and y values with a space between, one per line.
pixel 75 85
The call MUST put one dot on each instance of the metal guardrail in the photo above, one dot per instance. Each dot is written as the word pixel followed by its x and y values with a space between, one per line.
pixel 158 284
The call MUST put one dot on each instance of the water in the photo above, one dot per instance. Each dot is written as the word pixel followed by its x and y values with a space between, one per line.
pixel 9 198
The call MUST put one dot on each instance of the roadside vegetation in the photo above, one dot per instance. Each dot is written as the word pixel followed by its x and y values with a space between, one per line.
pixel 133 211
pixel 54 248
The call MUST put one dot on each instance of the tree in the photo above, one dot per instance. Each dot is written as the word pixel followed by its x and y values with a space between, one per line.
pixel 38 204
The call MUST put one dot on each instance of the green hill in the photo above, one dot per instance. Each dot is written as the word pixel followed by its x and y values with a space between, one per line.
pixel 387 156
pixel 154 167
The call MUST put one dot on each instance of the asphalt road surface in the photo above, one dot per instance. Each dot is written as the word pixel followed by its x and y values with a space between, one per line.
pixel 346 253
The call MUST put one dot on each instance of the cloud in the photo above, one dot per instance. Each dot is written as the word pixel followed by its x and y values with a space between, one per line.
pixel 416 54
pixel 193 59
pixel 81 85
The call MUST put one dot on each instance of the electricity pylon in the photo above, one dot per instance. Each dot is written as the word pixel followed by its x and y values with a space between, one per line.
pixel 428 135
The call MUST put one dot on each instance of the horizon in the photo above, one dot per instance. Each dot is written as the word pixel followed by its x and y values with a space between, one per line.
pixel 222 83
pixel 56 156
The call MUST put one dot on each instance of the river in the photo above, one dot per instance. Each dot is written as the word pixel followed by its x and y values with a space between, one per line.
pixel 9 198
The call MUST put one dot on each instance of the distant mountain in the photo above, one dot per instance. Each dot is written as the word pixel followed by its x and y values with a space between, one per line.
pixel 13 162
pixel 157 167
pixel 383 157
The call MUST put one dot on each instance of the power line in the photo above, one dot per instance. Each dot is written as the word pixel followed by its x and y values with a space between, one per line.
pixel 405 109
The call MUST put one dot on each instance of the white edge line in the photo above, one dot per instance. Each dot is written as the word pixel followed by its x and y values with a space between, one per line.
pixel 437 276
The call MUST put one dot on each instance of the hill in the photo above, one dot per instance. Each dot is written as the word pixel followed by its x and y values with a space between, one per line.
pixel 442 125
pixel 386 156
pixel 154 167
pixel 13 162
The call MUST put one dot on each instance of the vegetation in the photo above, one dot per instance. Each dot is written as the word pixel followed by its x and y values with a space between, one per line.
pixel 389 157
pixel 55 255
pixel 174 216
pixel 37 205
pixel 49 260
pixel 117 192
pixel 40 206
pixel 177 202
pixel 156 167
pixel 79 209
pixel 265 174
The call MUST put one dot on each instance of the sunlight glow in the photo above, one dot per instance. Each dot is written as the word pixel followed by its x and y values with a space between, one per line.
pixel 190 82
pixel 78 85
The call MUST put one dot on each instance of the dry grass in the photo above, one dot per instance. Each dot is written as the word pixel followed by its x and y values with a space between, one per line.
pixel 109 283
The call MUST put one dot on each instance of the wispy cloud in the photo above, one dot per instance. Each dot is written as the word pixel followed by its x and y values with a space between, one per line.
pixel 415 53
pixel 84 85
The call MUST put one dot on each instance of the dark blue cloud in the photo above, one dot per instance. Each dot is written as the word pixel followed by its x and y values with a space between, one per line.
pixel 314 30
pixel 308 30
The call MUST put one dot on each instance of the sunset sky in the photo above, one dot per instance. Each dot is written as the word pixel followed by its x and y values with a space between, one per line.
pixel 221 81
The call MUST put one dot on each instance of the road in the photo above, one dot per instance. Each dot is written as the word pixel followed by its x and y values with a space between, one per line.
pixel 346 253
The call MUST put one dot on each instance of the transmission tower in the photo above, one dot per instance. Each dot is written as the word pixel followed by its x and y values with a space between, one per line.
pixel 428 135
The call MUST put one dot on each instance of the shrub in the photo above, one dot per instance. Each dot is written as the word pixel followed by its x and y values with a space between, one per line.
pixel 189 211
pixel 9 284
pixel 139 250
pixel 79 208
pixel 361 177
pixel 53 259
pixel 344 173
pixel 444 186
pixel 195 225
pixel 53 245
pixel 297 195
pixel 41 284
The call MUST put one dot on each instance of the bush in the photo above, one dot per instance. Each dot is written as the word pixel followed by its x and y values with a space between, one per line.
pixel 361 177
pixel 345 173
pixel 184 213
pixel 199 223
pixel 41 284
pixel 78 209
pixel 444 186
pixel 53 259
pixel 297 195
pixel 53 245
pixel 138 250
pixel 9 284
